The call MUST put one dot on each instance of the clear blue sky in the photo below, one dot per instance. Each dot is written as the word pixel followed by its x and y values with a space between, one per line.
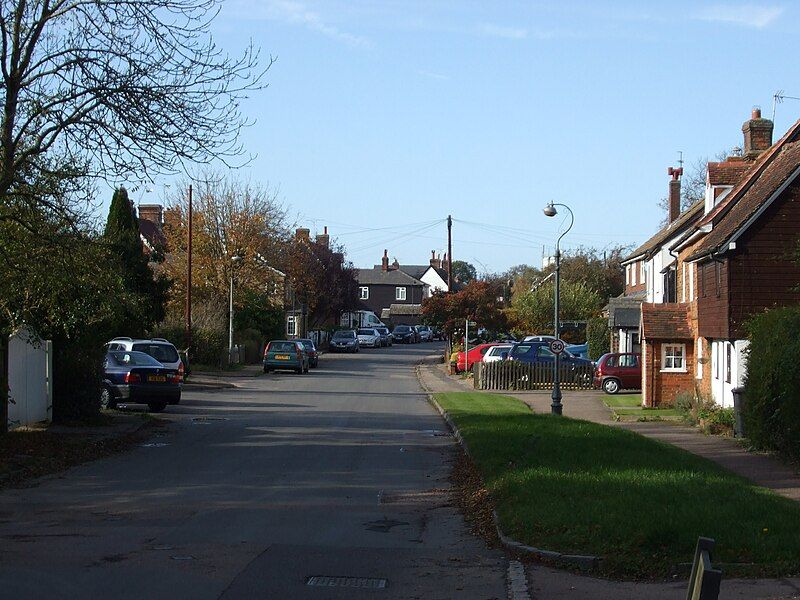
pixel 394 114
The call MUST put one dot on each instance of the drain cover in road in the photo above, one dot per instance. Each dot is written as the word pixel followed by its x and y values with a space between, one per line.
pixel 348 582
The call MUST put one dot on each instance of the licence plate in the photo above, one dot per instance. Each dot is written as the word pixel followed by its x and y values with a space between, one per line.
pixel 281 357
pixel 157 378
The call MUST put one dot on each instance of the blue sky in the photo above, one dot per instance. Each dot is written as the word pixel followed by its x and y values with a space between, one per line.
pixel 388 116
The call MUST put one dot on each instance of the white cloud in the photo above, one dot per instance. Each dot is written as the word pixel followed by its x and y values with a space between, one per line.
pixel 292 11
pixel 749 15
pixel 509 33
pixel 433 75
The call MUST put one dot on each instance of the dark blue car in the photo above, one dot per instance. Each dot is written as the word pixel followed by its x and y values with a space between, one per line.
pixel 136 377
pixel 539 353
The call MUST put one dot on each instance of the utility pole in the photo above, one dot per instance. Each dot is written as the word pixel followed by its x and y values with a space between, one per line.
pixel 449 253
pixel 188 332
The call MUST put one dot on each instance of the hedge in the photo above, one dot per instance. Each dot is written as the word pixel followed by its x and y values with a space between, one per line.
pixel 598 337
pixel 772 385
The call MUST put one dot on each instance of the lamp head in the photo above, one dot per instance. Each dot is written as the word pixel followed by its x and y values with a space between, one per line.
pixel 550 210
pixel 236 259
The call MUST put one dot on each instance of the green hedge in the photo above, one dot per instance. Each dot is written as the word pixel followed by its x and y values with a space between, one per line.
pixel 598 336
pixel 772 386
pixel 208 346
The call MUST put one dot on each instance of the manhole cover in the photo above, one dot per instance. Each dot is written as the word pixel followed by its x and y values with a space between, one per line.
pixel 348 582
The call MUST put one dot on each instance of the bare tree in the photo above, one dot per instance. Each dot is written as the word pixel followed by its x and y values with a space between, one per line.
pixel 118 89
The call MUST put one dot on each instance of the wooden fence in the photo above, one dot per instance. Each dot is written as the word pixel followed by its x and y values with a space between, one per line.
pixel 514 375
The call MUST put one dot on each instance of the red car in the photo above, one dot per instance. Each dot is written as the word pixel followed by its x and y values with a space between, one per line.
pixel 476 354
pixel 618 371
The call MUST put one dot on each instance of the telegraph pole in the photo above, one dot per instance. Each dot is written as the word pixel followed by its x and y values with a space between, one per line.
pixel 449 253
pixel 188 333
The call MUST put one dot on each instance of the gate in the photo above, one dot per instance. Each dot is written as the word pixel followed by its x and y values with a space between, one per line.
pixel 30 368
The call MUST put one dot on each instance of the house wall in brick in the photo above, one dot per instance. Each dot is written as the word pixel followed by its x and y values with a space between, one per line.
pixel 660 387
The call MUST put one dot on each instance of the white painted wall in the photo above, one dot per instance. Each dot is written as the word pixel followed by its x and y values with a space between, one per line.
pixel 721 389
pixel 434 281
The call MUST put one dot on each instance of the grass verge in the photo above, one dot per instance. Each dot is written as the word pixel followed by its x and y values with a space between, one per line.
pixel 581 488
pixel 628 407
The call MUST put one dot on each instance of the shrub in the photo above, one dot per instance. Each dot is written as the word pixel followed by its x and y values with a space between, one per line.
pixel 598 337
pixel 772 385
pixel 208 346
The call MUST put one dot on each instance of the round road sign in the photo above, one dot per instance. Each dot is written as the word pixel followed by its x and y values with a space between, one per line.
pixel 556 346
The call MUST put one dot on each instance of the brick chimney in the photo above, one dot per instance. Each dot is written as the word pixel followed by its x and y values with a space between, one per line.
pixel 152 212
pixel 302 234
pixel 674 193
pixel 435 262
pixel 385 261
pixel 757 134
pixel 324 239
pixel 395 265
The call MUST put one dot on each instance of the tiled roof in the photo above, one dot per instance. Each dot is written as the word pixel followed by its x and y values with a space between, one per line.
pixel 729 172
pixel 783 164
pixel 665 321
pixel 405 309
pixel 686 218
pixel 380 277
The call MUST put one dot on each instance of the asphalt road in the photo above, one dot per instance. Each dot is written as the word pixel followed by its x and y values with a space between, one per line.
pixel 250 492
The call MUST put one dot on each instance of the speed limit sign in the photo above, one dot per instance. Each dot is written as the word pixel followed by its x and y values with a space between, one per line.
pixel 556 346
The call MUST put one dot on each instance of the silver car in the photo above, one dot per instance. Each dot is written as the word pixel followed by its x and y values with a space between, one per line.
pixel 368 337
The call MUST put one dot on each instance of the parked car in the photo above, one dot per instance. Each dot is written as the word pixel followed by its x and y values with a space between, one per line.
pixel 311 351
pixel 386 337
pixel 162 350
pixel 580 350
pixel 618 371
pixel 475 355
pixel 131 376
pixel 497 353
pixel 538 338
pixel 369 337
pixel 539 353
pixel 437 333
pixel 285 355
pixel 344 340
pixel 404 334
pixel 425 333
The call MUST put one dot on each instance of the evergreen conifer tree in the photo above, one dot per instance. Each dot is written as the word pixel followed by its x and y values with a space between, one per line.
pixel 146 293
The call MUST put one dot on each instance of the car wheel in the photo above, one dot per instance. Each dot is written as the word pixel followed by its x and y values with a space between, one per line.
pixel 156 406
pixel 611 386
pixel 106 398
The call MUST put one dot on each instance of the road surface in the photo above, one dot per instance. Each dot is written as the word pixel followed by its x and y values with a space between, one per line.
pixel 340 474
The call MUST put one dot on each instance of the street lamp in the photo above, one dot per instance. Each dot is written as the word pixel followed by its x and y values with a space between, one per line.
pixel 235 259
pixel 550 211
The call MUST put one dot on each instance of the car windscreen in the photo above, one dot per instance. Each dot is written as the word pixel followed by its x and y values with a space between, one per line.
pixel 282 347
pixel 122 358
pixel 521 349
pixel 402 329
pixel 344 335
pixel 308 344
pixel 366 332
pixel 382 330
pixel 161 352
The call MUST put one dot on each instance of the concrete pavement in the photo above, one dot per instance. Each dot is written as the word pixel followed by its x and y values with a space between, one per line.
pixel 342 473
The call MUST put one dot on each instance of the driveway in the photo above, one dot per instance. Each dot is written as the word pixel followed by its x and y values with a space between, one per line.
pixel 341 474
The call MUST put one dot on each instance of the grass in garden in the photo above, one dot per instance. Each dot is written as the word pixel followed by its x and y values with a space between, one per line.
pixel 582 488
pixel 623 400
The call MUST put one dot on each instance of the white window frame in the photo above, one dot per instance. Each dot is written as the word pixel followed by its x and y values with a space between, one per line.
pixel 633 274
pixel 627 274
pixel 400 293
pixel 665 354
pixel 642 272
pixel 363 292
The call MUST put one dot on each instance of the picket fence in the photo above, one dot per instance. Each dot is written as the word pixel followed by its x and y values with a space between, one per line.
pixel 514 375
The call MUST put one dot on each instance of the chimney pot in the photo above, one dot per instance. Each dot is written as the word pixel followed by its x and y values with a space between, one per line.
pixel 674 202
pixel 385 261
pixel 757 134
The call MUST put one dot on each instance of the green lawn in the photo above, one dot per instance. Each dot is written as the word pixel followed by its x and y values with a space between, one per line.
pixel 623 400
pixel 582 488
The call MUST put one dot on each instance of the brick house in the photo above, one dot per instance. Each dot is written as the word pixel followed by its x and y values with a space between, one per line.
pixel 386 286
pixel 730 259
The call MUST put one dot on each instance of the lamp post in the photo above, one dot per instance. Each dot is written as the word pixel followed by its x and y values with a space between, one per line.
pixel 235 260
pixel 550 211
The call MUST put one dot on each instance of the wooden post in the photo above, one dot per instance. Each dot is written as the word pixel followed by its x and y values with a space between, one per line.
pixel 188 328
